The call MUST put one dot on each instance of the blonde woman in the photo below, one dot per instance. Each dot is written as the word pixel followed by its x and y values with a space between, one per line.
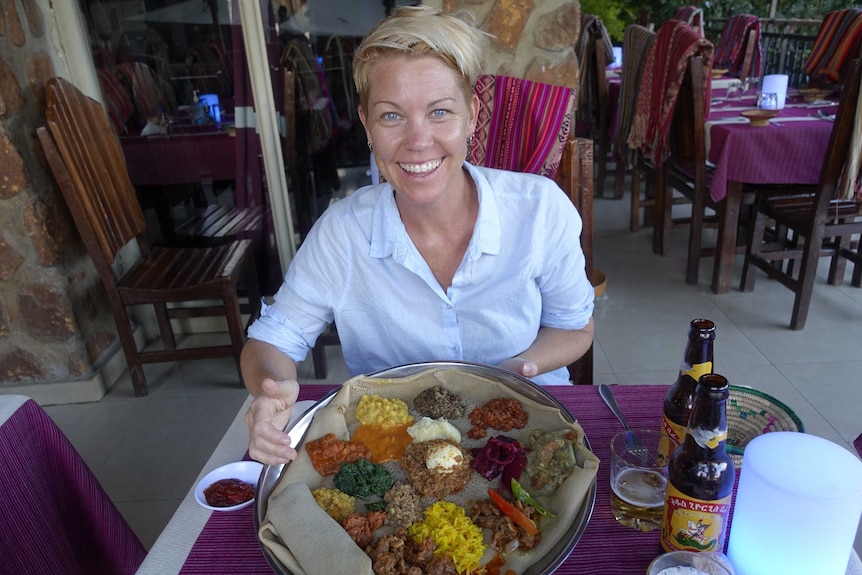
pixel 441 261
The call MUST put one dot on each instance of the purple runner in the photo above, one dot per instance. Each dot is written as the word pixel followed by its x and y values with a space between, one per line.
pixel 56 518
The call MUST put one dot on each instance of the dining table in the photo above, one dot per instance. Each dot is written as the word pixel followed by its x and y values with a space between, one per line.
pixel 790 149
pixel 55 517
pixel 199 541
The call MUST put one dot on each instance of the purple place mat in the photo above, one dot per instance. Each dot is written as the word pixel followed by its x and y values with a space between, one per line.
pixel 55 516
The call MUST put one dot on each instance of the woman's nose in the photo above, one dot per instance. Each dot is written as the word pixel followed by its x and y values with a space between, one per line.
pixel 419 135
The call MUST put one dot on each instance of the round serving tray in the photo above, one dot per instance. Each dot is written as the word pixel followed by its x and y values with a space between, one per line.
pixel 548 564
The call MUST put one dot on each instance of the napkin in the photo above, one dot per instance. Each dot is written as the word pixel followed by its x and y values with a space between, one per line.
pixel 283 529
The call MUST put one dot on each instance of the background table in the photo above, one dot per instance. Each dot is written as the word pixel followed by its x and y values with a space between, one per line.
pixel 788 151
pixel 201 542
pixel 54 515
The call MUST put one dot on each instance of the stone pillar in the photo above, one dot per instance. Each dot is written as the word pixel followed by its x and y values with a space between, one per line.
pixel 55 327
pixel 533 39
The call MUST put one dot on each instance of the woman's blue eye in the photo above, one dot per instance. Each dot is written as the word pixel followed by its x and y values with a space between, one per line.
pixel 438 113
pixel 390 116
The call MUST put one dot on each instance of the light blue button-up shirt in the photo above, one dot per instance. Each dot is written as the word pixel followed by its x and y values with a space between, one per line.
pixel 522 270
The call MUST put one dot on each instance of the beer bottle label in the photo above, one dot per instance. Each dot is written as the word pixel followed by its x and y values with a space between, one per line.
pixel 671 437
pixel 691 524
pixel 697 369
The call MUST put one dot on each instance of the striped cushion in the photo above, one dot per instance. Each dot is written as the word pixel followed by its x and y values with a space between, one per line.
pixel 837 42
pixel 522 125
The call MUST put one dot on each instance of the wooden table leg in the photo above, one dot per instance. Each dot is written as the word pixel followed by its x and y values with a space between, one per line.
pixel 728 222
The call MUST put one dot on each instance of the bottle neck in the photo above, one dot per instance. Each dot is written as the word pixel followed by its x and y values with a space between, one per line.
pixel 707 424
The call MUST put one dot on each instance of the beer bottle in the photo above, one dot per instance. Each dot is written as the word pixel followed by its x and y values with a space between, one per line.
pixel 700 475
pixel 696 361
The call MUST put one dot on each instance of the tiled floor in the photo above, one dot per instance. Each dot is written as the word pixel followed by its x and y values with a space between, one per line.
pixel 148 451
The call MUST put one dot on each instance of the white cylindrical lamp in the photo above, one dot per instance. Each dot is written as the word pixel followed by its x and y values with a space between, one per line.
pixel 797 506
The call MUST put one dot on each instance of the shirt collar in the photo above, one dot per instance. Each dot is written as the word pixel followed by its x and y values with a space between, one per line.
pixel 389 236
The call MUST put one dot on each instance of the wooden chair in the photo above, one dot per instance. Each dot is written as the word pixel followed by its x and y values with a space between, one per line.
pixel 653 133
pixel 809 223
pixel 687 170
pixel 637 42
pixel 738 48
pixel 87 161
pixel 574 173
pixel 593 114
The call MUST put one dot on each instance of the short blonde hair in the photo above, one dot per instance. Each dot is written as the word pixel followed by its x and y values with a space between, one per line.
pixel 416 31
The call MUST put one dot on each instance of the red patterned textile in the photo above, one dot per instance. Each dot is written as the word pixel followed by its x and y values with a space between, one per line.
pixel 730 51
pixel 664 69
pixel 837 42
pixel 522 125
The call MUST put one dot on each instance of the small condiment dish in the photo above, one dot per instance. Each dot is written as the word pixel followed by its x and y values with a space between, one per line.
pixel 246 471
pixel 689 563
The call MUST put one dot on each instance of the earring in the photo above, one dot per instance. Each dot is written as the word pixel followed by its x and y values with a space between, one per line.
pixel 470 140
pixel 370 147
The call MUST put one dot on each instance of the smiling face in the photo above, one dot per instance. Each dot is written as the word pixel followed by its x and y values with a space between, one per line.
pixel 418 118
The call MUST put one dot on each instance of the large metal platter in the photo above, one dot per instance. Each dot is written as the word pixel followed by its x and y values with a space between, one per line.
pixel 548 564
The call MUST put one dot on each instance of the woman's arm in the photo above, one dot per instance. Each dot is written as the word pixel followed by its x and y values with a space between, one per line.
pixel 553 348
pixel 270 376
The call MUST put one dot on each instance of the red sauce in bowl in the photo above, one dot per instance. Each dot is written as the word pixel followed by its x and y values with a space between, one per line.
pixel 228 492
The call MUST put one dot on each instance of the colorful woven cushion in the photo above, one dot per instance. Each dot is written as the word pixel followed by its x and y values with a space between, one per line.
pixel 522 125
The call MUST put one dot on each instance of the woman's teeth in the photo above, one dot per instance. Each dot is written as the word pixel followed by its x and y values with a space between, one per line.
pixel 421 168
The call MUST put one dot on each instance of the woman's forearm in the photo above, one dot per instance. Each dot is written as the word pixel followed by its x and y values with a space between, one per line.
pixel 261 361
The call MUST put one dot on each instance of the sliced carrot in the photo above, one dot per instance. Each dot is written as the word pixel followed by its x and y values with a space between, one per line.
pixel 513 513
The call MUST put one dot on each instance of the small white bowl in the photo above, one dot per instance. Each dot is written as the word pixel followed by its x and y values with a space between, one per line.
pixel 248 471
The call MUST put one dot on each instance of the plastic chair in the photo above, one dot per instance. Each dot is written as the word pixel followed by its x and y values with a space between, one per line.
pixel 87 161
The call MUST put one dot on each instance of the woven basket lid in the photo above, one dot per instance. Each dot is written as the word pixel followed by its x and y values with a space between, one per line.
pixel 751 413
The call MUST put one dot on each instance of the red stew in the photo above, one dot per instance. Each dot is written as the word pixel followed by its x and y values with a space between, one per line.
pixel 228 492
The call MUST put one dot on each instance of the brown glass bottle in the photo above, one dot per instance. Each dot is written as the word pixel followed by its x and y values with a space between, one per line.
pixel 700 475
pixel 696 361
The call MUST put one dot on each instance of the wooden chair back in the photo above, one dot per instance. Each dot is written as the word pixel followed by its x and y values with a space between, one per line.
pixel 86 158
pixel 593 103
pixel 105 206
pixel 575 177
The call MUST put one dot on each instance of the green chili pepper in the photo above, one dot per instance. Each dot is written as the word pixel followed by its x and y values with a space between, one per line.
pixel 521 495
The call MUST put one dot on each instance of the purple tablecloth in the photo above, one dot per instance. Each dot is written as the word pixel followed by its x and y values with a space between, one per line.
pixel 229 545
pixel 55 518
pixel 790 150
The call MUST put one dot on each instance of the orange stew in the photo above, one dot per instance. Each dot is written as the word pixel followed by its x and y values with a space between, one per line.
pixel 328 452
pixel 385 443
pixel 502 413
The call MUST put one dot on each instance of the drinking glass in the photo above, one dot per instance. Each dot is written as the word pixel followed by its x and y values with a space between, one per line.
pixel 638 482
pixel 769 101
pixel 734 91
pixel 751 89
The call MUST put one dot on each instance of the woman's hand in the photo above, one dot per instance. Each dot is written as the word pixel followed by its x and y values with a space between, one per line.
pixel 266 418
pixel 523 367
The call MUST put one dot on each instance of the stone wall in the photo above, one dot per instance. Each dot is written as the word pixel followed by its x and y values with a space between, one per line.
pixel 55 326
pixel 534 39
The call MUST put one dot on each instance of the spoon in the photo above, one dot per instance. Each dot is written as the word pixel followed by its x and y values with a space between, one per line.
pixel 633 442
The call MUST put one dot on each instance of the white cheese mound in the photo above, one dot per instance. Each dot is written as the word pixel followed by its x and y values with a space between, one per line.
pixel 427 429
